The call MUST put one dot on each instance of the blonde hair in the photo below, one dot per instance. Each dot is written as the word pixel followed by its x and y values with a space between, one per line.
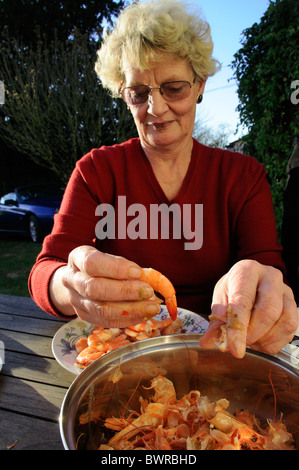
pixel 147 30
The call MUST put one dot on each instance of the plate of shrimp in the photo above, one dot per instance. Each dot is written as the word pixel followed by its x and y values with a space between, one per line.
pixel 78 343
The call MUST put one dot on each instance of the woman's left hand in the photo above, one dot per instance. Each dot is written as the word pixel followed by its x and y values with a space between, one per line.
pixel 252 306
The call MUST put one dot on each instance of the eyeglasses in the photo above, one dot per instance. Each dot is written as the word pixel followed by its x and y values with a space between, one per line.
pixel 171 91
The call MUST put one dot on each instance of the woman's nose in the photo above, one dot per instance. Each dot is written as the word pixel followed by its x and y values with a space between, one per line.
pixel 156 103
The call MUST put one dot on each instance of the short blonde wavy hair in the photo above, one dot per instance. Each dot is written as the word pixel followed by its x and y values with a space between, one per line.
pixel 147 30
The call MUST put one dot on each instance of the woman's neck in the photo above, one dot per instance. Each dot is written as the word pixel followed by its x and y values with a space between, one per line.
pixel 170 167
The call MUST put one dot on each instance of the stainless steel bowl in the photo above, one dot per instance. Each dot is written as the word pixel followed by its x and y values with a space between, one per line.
pixel 247 383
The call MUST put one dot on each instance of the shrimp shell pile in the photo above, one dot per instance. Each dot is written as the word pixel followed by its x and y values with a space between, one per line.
pixel 192 422
pixel 103 340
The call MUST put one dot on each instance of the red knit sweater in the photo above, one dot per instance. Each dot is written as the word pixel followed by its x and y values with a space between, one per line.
pixel 230 188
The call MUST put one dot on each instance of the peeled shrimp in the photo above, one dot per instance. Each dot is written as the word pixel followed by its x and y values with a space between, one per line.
pixel 88 355
pixel 161 284
pixel 81 344
pixel 102 340
pixel 91 353
pixel 99 335
pixel 151 328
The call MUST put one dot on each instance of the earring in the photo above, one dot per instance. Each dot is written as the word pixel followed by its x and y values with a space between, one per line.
pixel 199 99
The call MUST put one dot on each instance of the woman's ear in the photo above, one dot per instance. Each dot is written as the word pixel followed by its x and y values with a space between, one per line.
pixel 201 87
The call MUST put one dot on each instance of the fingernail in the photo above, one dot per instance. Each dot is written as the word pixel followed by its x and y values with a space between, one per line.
pixel 135 272
pixel 146 292
pixel 152 309
pixel 239 348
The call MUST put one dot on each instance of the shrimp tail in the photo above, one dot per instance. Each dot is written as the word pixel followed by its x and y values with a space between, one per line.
pixel 171 304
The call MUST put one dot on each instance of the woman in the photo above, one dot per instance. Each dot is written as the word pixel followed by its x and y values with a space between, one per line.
pixel 165 201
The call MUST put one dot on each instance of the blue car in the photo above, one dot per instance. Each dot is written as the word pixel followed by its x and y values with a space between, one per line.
pixel 29 210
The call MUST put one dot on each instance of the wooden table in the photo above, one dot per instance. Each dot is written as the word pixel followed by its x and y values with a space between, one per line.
pixel 32 383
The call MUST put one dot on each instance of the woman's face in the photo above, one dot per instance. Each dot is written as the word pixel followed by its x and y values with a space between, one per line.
pixel 161 124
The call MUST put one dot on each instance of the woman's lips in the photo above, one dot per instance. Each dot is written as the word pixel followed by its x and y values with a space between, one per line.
pixel 158 126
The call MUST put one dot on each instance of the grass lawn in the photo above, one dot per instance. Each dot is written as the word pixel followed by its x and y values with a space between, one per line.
pixel 17 256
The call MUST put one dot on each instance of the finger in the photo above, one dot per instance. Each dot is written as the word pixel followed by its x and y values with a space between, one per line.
pixel 95 263
pixel 211 338
pixel 282 332
pixel 116 314
pixel 268 306
pixel 106 289
pixel 218 317
pixel 233 301
pixel 220 299
pixel 241 293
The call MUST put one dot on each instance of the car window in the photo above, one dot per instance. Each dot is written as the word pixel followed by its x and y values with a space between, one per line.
pixel 34 192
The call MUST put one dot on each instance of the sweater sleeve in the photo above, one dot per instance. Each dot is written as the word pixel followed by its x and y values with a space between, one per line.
pixel 38 284
pixel 74 225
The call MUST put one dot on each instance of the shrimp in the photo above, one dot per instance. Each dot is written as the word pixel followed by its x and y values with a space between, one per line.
pixel 100 335
pixel 90 353
pixel 218 328
pixel 164 390
pixel 192 422
pixel 173 327
pixel 161 284
pixel 150 328
pixel 104 340
pixel 152 417
pixel 81 344
pixel 150 325
pixel 230 425
pixel 161 440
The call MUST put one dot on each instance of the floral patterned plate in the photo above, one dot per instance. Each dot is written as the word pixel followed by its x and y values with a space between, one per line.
pixel 63 344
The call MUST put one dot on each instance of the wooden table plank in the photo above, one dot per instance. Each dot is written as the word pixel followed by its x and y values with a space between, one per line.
pixel 31 433
pixel 31 398
pixel 27 343
pixel 32 383
pixel 20 306
pixel 24 324
pixel 35 368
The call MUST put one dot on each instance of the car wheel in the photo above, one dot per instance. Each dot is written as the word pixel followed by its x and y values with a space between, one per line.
pixel 35 231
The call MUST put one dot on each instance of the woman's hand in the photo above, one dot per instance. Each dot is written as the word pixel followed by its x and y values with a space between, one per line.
pixel 255 308
pixel 102 289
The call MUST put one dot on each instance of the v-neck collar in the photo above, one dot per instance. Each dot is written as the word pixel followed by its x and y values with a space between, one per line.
pixel 160 195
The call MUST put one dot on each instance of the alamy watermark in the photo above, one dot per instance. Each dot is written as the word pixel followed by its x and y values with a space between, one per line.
pixel 295 94
pixel 160 221
pixel 2 93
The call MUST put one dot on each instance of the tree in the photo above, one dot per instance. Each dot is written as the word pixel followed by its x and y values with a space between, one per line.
pixel 55 109
pixel 265 68
pixel 56 18
pixel 218 137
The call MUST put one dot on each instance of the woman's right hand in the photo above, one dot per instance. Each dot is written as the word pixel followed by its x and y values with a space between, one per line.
pixel 102 289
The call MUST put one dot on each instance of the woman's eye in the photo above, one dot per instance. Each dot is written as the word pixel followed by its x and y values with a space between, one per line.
pixel 175 88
